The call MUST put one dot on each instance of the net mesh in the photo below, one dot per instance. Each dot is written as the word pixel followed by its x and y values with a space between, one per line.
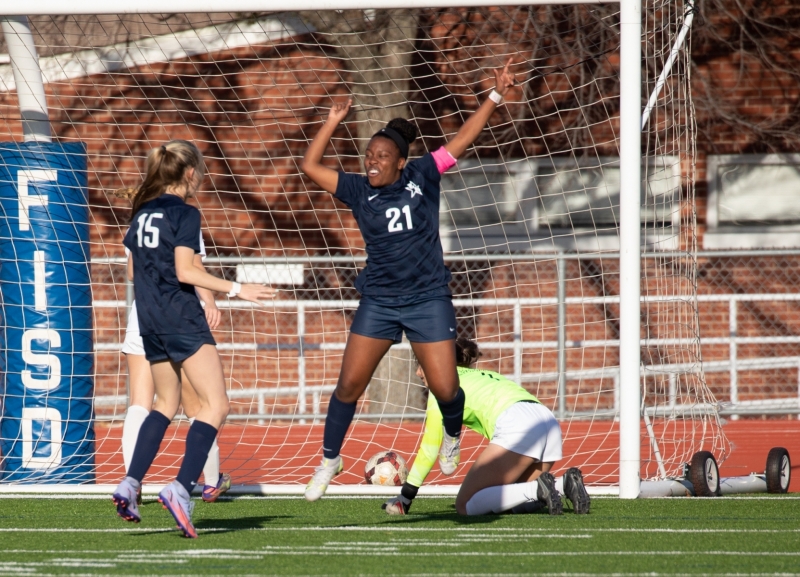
pixel 529 217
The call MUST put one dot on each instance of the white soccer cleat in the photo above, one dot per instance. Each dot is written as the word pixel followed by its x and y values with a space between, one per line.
pixel 322 477
pixel 125 497
pixel 449 454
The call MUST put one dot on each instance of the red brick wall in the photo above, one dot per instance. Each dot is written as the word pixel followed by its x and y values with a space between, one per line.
pixel 252 112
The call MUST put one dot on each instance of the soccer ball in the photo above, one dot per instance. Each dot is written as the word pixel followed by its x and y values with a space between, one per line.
pixel 386 468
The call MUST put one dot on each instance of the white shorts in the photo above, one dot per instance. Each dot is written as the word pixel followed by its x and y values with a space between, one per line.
pixel 529 429
pixel 133 340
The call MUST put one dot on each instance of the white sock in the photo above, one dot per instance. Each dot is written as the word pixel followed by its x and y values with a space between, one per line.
pixel 501 498
pixel 134 418
pixel 211 469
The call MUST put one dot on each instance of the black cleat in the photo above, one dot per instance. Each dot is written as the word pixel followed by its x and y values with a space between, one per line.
pixel 575 491
pixel 548 493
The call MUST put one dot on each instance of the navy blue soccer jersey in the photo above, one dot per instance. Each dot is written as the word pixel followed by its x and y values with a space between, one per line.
pixel 164 305
pixel 400 226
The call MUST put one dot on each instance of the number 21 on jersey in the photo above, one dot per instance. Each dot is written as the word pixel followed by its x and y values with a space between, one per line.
pixel 393 214
pixel 147 233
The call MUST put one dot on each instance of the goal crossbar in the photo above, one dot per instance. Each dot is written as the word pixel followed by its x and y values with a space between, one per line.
pixel 55 7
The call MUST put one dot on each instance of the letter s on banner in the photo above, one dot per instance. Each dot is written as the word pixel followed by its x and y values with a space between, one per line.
pixel 47 360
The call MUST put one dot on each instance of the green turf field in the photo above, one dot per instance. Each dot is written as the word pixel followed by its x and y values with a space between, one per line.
pixel 339 536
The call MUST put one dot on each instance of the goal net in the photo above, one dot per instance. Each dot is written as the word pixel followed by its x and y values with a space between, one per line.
pixel 529 223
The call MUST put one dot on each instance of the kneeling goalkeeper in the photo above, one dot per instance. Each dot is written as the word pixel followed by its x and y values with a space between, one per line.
pixel 512 473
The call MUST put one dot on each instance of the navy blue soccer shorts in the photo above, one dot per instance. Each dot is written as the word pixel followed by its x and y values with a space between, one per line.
pixel 174 347
pixel 428 321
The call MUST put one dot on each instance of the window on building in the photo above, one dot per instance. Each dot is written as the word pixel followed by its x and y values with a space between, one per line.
pixel 753 201
pixel 548 204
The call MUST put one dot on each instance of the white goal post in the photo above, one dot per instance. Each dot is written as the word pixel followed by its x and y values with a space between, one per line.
pixel 33 106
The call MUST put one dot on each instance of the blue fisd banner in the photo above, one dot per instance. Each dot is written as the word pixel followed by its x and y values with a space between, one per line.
pixel 46 343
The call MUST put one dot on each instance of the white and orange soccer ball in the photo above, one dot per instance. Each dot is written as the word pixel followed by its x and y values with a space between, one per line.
pixel 386 468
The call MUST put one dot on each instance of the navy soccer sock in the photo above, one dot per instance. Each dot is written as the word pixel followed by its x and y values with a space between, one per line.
pixel 147 444
pixel 453 414
pixel 199 440
pixel 340 415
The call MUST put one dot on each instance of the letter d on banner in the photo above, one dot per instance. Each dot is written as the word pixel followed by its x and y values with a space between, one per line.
pixel 46 344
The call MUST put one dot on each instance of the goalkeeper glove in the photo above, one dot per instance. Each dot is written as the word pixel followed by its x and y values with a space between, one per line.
pixel 402 503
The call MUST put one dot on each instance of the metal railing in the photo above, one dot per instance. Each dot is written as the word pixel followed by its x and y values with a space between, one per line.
pixel 733 406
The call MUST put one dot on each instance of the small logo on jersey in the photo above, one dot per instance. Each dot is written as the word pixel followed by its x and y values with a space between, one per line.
pixel 452 330
pixel 371 197
pixel 414 189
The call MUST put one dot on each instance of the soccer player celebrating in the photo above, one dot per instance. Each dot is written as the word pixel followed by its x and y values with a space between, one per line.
pixel 141 383
pixel 163 241
pixel 512 473
pixel 404 286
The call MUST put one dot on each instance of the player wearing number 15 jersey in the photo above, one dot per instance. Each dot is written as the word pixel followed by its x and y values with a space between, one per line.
pixel 163 240
pixel 404 287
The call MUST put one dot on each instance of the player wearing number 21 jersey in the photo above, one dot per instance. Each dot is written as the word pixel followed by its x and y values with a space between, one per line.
pixel 400 226
pixel 404 286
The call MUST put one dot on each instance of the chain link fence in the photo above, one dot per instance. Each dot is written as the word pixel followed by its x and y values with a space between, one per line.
pixel 554 330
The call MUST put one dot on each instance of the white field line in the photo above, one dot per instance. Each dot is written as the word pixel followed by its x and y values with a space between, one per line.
pixel 151 497
pixel 17 492
pixel 550 574
pixel 389 528
pixel 311 550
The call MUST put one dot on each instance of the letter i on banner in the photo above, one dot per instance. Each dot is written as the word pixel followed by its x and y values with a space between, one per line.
pixel 46 349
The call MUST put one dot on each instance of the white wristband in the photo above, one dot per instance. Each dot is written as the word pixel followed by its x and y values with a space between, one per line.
pixel 236 289
pixel 495 97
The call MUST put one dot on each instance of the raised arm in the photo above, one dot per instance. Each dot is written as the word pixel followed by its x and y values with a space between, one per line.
pixel 312 166
pixel 503 80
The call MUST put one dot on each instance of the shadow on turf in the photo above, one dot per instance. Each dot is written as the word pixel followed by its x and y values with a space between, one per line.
pixel 443 516
pixel 239 523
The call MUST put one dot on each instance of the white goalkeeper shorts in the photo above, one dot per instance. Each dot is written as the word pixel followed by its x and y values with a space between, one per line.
pixel 529 429
pixel 133 340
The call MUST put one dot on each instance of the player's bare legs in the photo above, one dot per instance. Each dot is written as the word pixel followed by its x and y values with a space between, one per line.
pixel 167 383
pixel 361 357
pixel 204 370
pixel 140 381
pixel 438 362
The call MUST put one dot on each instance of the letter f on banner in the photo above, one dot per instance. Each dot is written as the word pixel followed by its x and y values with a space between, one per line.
pixel 25 200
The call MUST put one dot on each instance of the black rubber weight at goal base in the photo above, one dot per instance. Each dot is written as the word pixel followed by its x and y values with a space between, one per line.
pixel 704 475
pixel 779 470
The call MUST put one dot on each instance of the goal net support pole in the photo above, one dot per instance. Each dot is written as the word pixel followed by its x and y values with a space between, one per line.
pixel 28 78
pixel 630 247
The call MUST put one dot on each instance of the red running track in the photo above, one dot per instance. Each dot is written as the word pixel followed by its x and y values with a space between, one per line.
pixel 286 454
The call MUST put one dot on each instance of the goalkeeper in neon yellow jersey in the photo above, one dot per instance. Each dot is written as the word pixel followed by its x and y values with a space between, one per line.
pixel 512 473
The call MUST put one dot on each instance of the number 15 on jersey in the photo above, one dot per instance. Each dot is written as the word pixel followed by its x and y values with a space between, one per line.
pixel 147 233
